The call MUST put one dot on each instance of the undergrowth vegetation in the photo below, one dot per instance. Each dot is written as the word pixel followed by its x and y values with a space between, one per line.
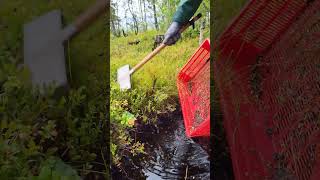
pixel 154 93
pixel 50 137
pixel 45 136
pixel 161 71
pixel 38 128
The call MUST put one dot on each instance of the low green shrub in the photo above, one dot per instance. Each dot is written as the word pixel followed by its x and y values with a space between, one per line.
pixel 154 92
pixel 37 130
pixel 136 104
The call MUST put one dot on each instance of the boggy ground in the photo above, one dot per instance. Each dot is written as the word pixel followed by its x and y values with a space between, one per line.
pixel 169 154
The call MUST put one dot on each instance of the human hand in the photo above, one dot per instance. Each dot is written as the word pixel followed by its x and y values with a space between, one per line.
pixel 173 34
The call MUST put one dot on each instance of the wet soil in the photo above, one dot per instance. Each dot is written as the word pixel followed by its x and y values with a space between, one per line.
pixel 169 154
pixel 221 157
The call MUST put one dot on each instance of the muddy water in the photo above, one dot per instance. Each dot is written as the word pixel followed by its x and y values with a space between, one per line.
pixel 171 155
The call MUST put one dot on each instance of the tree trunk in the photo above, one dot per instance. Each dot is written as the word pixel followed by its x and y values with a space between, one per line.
pixel 114 20
pixel 155 15
pixel 126 19
pixel 134 17
pixel 119 27
pixel 141 12
pixel 113 28
pixel 202 27
pixel 145 16
pixel 207 16
pixel 124 34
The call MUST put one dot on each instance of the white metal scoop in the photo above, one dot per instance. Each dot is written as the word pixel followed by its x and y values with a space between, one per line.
pixel 124 73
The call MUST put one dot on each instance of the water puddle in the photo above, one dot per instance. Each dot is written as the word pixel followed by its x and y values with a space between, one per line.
pixel 171 155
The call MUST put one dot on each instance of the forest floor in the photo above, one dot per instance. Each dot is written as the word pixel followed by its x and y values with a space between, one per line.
pixel 154 95
pixel 42 136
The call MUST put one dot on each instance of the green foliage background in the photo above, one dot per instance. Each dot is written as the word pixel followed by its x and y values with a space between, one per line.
pixel 41 136
pixel 44 137
pixel 154 93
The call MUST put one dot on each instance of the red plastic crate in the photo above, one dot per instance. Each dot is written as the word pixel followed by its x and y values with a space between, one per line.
pixel 193 84
pixel 267 70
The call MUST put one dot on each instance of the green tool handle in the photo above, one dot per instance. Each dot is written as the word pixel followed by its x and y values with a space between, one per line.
pixel 162 46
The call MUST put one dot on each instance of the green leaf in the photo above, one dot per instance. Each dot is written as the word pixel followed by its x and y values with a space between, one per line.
pixel 113 149
pixel 128 119
pixel 55 168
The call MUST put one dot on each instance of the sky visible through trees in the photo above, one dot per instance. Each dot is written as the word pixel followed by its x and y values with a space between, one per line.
pixel 141 15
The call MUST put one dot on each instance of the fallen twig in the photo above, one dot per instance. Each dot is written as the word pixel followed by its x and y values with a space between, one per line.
pixel 185 177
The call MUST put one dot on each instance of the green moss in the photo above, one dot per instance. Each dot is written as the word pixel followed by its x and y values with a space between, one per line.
pixel 34 128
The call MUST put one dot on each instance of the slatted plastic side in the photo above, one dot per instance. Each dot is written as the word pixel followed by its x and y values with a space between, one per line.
pixel 263 21
pixel 292 80
pixel 270 106
pixel 193 84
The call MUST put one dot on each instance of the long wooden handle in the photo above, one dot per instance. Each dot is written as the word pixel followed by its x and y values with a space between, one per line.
pixel 162 46
pixel 85 19
pixel 91 14
pixel 147 58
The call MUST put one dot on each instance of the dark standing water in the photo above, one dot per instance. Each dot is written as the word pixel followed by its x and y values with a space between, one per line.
pixel 170 155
